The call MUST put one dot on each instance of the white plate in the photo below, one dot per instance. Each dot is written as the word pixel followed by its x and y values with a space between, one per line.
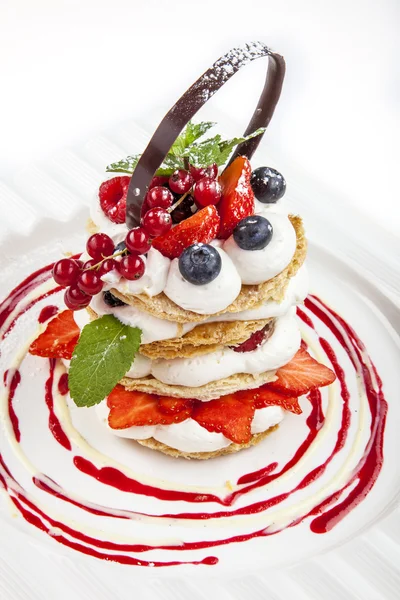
pixel 43 216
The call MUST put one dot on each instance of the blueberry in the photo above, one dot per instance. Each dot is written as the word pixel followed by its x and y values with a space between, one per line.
pixel 112 300
pixel 119 247
pixel 200 263
pixel 253 233
pixel 268 185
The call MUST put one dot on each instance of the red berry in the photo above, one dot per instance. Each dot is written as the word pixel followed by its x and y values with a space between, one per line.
pixel 159 196
pixel 75 299
pixel 157 222
pixel 112 196
pixel 180 181
pixel 137 241
pixel 207 191
pixel 183 210
pixel 89 264
pixel 90 283
pixel 158 180
pixel 99 245
pixel 65 271
pixel 212 171
pixel 200 172
pixel 131 267
pixel 108 265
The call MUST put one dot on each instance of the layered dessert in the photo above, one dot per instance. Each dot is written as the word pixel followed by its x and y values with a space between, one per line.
pixel 180 321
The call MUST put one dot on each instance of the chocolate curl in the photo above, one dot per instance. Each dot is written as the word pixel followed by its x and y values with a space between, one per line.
pixel 191 102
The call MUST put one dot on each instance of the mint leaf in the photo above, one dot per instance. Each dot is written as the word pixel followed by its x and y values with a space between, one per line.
pixel 205 153
pixel 227 146
pixel 199 154
pixel 102 356
pixel 191 133
pixel 124 166
pixel 171 163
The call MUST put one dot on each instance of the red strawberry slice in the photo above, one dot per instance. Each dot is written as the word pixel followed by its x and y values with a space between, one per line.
pixel 112 195
pixel 301 375
pixel 255 340
pixel 237 200
pixel 265 397
pixel 131 408
pixel 202 227
pixel 227 415
pixel 173 406
pixel 262 397
pixel 59 338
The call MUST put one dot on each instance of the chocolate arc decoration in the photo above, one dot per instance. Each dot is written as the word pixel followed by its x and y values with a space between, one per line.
pixel 189 104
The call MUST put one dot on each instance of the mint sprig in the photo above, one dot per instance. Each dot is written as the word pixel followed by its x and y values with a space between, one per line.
pixel 103 354
pixel 186 148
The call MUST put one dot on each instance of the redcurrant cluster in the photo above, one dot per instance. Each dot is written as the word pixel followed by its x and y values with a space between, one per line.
pixel 83 280
pixel 175 198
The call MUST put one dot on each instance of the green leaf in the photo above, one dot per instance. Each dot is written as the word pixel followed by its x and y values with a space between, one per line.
pixel 191 133
pixel 205 153
pixel 199 154
pixel 102 356
pixel 124 166
pixel 227 146
pixel 170 164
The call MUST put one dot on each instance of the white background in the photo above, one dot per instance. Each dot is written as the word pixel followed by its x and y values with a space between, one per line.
pixel 70 68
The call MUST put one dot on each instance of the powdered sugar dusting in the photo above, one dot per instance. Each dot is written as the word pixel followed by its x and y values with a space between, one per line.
pixel 222 70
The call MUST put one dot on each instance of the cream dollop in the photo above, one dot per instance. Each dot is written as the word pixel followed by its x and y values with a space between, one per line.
pixel 152 281
pixel 257 266
pixel 200 370
pixel 155 329
pixel 204 299
pixel 189 436
pixel 266 209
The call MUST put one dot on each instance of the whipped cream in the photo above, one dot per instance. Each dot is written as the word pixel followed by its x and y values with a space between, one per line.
pixel 189 436
pixel 200 370
pixel 257 266
pixel 155 329
pixel 152 282
pixel 274 207
pixel 204 299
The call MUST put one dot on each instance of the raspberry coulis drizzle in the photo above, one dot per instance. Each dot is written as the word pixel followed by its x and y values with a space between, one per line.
pixel 323 516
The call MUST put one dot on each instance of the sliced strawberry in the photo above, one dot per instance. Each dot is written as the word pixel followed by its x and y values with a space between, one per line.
pixel 302 374
pixel 262 397
pixel 237 200
pixel 173 406
pixel 130 408
pixel 59 338
pixel 227 415
pixel 202 227
pixel 112 196
pixel 265 397
pixel 255 340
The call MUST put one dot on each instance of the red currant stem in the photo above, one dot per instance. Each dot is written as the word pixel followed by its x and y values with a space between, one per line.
pixel 186 163
pixel 181 199
pixel 98 265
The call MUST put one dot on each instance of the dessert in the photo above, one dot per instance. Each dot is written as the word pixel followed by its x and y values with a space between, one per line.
pixel 180 337
pixel 185 298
